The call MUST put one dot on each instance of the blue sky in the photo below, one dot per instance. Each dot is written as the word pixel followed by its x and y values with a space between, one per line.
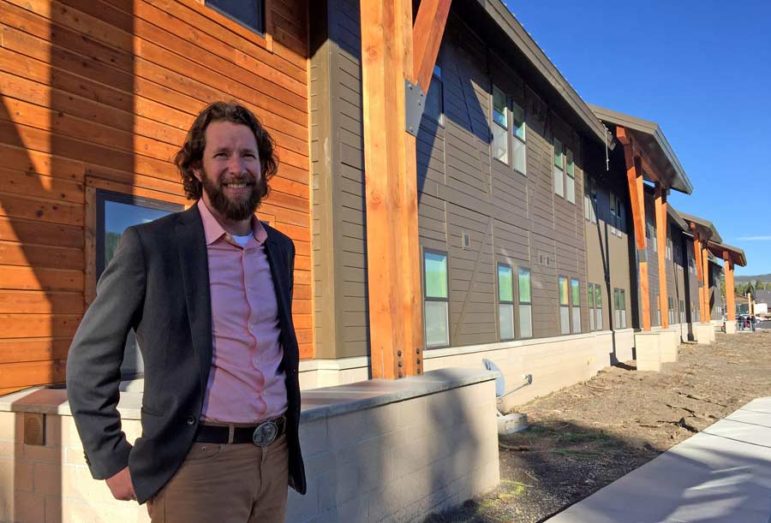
pixel 702 71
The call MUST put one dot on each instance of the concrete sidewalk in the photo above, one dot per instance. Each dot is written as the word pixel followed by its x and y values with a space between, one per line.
pixel 722 474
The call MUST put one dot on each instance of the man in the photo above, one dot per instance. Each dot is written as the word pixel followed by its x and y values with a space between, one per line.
pixel 208 292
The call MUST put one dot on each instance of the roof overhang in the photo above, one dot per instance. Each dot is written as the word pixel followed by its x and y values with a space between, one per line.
pixel 704 228
pixel 651 141
pixel 728 252
pixel 676 218
pixel 503 33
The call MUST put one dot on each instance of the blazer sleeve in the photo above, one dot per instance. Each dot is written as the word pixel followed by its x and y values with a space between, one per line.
pixel 94 359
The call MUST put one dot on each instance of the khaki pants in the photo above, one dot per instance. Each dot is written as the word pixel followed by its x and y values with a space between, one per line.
pixel 234 483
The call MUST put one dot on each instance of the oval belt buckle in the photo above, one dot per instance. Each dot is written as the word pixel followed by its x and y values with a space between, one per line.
pixel 265 434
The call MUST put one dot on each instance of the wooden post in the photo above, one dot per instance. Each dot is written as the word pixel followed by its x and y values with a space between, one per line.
pixel 705 261
pixel 634 180
pixel 661 238
pixel 697 254
pixel 730 288
pixel 393 250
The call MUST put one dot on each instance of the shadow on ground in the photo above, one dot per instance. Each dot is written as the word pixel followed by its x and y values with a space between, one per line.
pixel 547 468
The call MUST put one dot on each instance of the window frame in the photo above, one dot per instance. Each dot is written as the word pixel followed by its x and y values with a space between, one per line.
pixel 563 284
pixel 262 9
pixel 501 301
pixel 506 131
pixel 437 79
pixel 575 308
pixel 522 303
pixel 427 298
pixel 516 139
pixel 558 176
pixel 102 196
pixel 570 176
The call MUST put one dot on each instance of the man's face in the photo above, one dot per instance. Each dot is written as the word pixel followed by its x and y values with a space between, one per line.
pixel 230 171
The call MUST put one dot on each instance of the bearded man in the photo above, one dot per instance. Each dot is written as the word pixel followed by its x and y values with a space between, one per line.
pixel 209 293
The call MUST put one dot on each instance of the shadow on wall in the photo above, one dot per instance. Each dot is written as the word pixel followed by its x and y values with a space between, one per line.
pixel 398 461
pixel 66 116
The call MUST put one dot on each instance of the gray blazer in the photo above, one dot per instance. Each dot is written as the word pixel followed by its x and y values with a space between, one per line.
pixel 158 284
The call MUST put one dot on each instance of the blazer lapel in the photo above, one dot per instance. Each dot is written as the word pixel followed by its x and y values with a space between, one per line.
pixel 279 267
pixel 194 267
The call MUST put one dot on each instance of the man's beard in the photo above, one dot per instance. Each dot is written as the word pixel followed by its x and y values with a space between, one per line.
pixel 237 210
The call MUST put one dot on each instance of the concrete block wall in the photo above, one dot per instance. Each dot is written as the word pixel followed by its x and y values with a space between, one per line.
pixel 400 461
pixel 375 450
pixel 554 363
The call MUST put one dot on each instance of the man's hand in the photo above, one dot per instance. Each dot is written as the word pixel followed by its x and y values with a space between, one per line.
pixel 121 486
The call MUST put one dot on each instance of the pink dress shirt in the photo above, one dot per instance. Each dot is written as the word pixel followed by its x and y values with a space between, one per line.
pixel 245 383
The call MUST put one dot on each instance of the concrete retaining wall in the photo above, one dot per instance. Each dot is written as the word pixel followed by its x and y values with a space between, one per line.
pixel 374 450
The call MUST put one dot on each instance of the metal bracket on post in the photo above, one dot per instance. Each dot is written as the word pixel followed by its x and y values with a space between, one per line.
pixel 414 104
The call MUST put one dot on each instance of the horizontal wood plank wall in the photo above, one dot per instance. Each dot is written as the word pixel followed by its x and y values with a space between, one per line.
pixel 101 93
pixel 508 217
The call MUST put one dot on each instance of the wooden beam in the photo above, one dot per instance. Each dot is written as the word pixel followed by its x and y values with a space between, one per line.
pixel 636 196
pixel 697 258
pixel 661 237
pixel 393 250
pixel 427 37
pixel 705 260
pixel 730 287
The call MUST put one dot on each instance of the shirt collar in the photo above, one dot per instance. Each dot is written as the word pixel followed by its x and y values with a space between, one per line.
pixel 213 231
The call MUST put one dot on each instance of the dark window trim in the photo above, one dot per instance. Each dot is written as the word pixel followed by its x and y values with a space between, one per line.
pixel 441 300
pixel 104 196
pixel 262 31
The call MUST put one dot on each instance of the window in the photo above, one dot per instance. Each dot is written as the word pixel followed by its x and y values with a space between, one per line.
pixel 520 138
pixel 575 301
pixel 671 306
pixel 594 295
pixel 564 306
pixel 525 304
pixel 570 181
pixel 669 248
pixel 658 310
pixel 559 168
pixel 500 126
pixel 590 201
pixel 505 302
pixel 598 307
pixel 116 212
pixel 619 308
pixel 617 215
pixel 250 14
pixel 435 97
pixel 682 311
pixel 436 299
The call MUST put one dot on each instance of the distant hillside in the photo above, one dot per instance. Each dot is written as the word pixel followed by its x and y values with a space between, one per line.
pixel 760 277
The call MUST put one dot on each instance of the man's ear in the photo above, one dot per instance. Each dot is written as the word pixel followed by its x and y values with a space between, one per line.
pixel 197 172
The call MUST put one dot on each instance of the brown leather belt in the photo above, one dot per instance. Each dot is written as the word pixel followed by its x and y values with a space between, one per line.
pixel 261 435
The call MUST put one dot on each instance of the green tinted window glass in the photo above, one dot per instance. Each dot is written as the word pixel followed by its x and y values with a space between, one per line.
pixel 499 108
pixel 575 290
pixel 518 117
pixel 436 275
pixel 571 169
pixel 563 284
pixel 590 295
pixel 524 286
pixel 598 296
pixel 558 160
pixel 505 284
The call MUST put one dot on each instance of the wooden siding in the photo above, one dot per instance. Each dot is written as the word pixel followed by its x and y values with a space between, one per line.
pixel 339 232
pixel 100 94
pixel 508 217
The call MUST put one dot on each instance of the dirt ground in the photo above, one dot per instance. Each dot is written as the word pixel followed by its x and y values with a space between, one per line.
pixel 586 436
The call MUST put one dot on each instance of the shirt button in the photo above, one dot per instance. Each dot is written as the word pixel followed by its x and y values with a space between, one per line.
pixel 256 362
pixel 191 420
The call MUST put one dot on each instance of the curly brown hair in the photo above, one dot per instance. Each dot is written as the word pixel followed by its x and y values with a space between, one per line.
pixel 190 156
